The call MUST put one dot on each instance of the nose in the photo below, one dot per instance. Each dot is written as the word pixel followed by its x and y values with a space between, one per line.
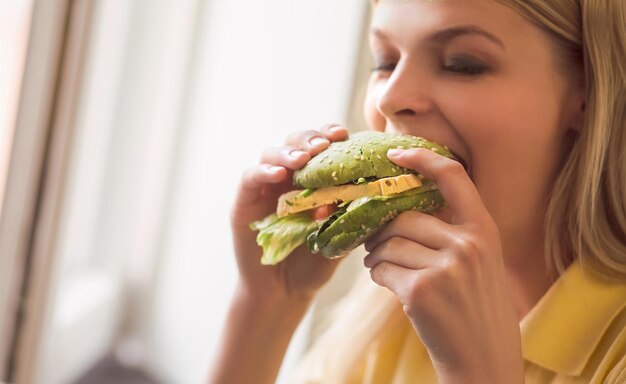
pixel 405 93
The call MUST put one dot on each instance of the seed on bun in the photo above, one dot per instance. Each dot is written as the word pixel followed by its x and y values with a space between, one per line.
pixel 365 189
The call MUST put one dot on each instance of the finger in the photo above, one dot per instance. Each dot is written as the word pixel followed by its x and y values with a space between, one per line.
pixel 393 277
pixel 334 132
pixel 255 178
pixel 316 141
pixel 402 252
pixel 415 226
pixel 455 185
pixel 312 142
pixel 288 157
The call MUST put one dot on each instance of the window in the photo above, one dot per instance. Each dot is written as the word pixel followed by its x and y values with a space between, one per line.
pixel 128 89
pixel 14 27
pixel 161 105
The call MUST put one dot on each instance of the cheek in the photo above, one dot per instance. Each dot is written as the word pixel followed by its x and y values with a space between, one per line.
pixel 516 142
pixel 525 130
pixel 507 121
pixel 375 120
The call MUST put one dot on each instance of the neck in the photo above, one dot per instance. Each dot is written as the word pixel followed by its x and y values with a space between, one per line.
pixel 528 275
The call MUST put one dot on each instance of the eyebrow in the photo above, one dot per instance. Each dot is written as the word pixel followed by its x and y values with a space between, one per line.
pixel 445 35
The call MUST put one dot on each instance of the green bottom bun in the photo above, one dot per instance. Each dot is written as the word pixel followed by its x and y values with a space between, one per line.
pixel 352 225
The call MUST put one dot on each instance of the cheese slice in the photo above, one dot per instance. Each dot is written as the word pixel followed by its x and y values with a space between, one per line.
pixel 292 202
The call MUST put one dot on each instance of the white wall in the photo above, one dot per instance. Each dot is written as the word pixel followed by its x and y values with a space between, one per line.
pixel 132 89
pixel 264 69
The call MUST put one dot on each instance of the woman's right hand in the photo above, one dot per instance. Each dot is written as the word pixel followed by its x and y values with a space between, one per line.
pixel 301 274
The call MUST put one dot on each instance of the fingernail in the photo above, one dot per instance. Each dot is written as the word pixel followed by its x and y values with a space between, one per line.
pixel 274 169
pixel 394 152
pixel 295 153
pixel 335 128
pixel 318 141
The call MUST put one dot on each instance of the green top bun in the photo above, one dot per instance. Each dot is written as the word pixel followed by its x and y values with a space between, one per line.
pixel 362 155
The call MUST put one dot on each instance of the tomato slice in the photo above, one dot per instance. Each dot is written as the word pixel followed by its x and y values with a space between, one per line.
pixel 324 211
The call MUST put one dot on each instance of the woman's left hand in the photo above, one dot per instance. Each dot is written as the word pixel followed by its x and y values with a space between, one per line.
pixel 449 276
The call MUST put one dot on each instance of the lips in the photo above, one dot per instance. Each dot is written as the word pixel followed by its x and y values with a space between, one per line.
pixel 460 156
pixel 463 159
pixel 463 162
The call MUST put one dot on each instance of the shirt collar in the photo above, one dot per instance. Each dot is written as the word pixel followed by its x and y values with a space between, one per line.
pixel 562 330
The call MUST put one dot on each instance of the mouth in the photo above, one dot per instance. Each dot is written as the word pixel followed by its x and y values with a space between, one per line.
pixel 461 156
pixel 461 159
pixel 466 165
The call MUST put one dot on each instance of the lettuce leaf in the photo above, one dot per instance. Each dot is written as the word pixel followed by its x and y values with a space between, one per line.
pixel 280 236
pixel 427 186
pixel 311 241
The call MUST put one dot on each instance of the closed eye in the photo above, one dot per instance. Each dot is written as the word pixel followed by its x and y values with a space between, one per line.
pixel 384 67
pixel 464 66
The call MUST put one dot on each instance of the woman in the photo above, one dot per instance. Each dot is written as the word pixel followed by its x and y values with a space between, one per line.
pixel 523 276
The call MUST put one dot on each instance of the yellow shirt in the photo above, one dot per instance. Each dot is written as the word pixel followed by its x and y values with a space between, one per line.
pixel 575 334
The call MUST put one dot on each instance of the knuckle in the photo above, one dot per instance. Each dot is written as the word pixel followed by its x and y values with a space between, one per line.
pixel 286 150
pixel 379 271
pixel 417 292
pixel 412 307
pixel 299 138
pixel 421 154
pixel 420 285
pixel 453 168
pixel 383 249
pixel 466 249
pixel 393 242
pixel 288 154
pixel 311 132
pixel 327 127
pixel 450 270
pixel 382 268
pixel 421 151
pixel 387 248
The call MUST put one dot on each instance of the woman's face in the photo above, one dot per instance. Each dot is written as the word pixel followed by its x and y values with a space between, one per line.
pixel 480 78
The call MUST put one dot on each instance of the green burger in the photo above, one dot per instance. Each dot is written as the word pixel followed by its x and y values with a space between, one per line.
pixel 362 187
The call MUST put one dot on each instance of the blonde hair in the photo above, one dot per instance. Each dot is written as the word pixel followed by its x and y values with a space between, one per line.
pixel 589 222
pixel 586 218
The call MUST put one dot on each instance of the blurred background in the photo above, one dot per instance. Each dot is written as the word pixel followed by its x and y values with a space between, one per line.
pixel 124 128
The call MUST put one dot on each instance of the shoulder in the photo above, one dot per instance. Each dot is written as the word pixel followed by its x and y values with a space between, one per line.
pixel 578 329
pixel 610 352
pixel 618 374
